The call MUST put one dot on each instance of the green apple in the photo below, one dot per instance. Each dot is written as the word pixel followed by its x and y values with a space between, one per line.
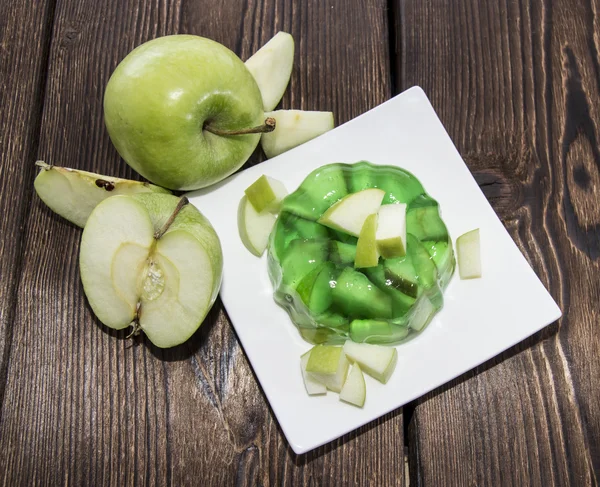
pixel 271 67
pixel 151 261
pixel 184 111
pixel 354 390
pixel 376 360
pixel 348 215
pixel 468 252
pixel 367 254
pixel 254 227
pixel 391 231
pixel 73 194
pixel 266 194
pixel 312 386
pixel 328 365
pixel 294 127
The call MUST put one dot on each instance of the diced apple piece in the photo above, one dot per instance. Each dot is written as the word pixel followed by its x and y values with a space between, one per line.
pixel 73 194
pixel 348 215
pixel 328 365
pixel 312 386
pixel 254 227
pixel 367 254
pixel 266 193
pixel 354 390
pixel 292 128
pixel 391 231
pixel 271 67
pixel 469 255
pixel 376 360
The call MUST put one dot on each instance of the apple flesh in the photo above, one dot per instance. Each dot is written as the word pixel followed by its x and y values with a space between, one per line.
pixel 348 215
pixel 354 390
pixel 184 111
pixel 294 127
pixel 367 254
pixel 328 365
pixel 312 386
pixel 151 261
pixel 271 67
pixel 376 360
pixel 266 193
pixel 391 231
pixel 254 227
pixel 73 194
pixel 468 252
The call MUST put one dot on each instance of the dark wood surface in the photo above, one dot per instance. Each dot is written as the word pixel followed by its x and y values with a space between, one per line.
pixel 517 84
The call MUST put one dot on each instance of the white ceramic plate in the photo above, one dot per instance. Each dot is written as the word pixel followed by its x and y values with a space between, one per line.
pixel 480 318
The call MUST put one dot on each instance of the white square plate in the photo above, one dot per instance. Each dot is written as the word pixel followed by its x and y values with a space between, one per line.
pixel 480 318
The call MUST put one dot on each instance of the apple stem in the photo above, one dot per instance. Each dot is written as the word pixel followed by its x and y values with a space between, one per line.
pixel 43 165
pixel 268 126
pixel 182 202
pixel 136 321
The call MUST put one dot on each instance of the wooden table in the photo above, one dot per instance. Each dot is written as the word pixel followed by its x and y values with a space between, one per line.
pixel 517 85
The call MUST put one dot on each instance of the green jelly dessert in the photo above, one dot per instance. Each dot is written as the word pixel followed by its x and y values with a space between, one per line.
pixel 311 266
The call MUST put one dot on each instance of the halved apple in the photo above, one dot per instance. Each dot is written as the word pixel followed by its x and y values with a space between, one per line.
pixel 328 365
pixel 391 231
pixel 312 386
pixel 266 194
pixel 367 254
pixel 151 261
pixel 292 128
pixel 254 227
pixel 271 67
pixel 348 215
pixel 354 390
pixel 73 194
pixel 468 251
pixel 376 360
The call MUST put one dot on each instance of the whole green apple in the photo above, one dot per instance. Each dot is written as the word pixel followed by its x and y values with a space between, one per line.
pixel 184 111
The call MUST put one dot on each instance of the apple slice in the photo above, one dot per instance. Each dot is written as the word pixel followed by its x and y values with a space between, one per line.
pixel 271 67
pixel 151 261
pixel 354 390
pixel 292 128
pixel 367 254
pixel 73 194
pixel 468 251
pixel 348 215
pixel 266 193
pixel 328 365
pixel 376 360
pixel 254 227
pixel 312 386
pixel 391 231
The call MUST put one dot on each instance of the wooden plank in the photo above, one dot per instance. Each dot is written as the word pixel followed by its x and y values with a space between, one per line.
pixel 517 84
pixel 84 406
pixel 24 35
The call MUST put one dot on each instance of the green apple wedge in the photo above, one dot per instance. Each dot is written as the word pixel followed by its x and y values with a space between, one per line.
pixel 254 227
pixel 271 67
pixel 328 365
pixel 294 127
pixel 73 194
pixel 312 386
pixel 468 252
pixel 151 261
pixel 266 193
pixel 376 360
pixel 348 215
pixel 367 254
pixel 184 111
pixel 354 390
pixel 391 231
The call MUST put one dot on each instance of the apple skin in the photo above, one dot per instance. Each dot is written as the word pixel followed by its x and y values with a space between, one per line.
pixel 159 99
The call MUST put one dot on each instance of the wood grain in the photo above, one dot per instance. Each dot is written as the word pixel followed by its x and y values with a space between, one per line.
pixel 24 40
pixel 83 405
pixel 517 85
